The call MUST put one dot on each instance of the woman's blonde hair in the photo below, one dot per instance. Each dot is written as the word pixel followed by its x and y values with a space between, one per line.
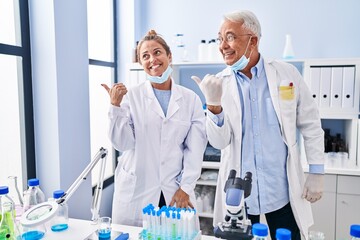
pixel 152 35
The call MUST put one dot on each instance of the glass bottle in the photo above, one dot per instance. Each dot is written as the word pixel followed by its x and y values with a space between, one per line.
pixel 7 216
pixel 259 231
pixel 33 195
pixel 60 221
pixel 16 196
pixel 355 232
pixel 283 234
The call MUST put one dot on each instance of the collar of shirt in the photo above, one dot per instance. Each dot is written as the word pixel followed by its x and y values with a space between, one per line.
pixel 256 70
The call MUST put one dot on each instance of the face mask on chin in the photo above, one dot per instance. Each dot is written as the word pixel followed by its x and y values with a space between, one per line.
pixel 242 62
pixel 160 79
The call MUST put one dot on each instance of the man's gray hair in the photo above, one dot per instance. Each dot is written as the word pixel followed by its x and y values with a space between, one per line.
pixel 248 19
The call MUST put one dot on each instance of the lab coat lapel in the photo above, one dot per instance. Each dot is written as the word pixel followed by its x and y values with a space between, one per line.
pixel 273 88
pixel 152 101
pixel 174 100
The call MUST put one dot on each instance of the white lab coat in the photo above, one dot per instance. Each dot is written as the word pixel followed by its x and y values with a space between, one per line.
pixel 301 112
pixel 158 153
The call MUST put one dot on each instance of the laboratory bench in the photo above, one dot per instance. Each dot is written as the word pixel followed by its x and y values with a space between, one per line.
pixel 82 230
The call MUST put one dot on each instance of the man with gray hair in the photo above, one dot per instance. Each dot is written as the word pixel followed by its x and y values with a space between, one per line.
pixel 254 109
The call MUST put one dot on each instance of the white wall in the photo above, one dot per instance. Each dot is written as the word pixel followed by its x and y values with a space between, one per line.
pixel 61 97
pixel 320 29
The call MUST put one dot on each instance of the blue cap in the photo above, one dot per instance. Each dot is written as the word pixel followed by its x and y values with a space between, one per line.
pixel 260 230
pixel 33 182
pixel 4 190
pixel 283 234
pixel 58 194
pixel 355 230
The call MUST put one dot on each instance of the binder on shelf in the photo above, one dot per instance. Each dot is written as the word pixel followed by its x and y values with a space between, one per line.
pixel 348 87
pixel 336 87
pixel 315 83
pixel 325 87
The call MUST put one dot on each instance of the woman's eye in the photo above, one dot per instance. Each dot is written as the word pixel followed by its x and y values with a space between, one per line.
pixel 146 56
pixel 157 52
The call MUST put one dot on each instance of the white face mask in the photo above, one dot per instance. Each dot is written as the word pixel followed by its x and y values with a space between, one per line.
pixel 242 62
pixel 162 78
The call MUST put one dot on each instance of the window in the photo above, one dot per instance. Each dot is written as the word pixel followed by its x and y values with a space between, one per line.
pixel 17 127
pixel 102 69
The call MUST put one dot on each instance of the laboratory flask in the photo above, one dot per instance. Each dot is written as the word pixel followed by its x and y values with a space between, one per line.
pixel 33 195
pixel 288 49
pixel 260 231
pixel 60 220
pixel 7 217
pixel 16 196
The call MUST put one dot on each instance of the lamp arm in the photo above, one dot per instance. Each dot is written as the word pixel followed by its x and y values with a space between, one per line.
pixel 95 208
pixel 101 154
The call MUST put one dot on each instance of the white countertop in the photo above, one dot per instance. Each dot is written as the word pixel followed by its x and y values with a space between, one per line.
pixel 81 229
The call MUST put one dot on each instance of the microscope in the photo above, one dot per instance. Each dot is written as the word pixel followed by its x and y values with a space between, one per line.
pixel 236 225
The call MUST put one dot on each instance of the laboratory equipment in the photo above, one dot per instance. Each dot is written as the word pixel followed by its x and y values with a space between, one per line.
pixel 39 214
pixel 169 223
pixel 7 217
pixel 288 49
pixel 316 235
pixel 355 232
pixel 16 196
pixel 104 229
pixel 33 195
pixel 203 51
pixel 283 234
pixel 60 221
pixel 180 53
pixel 260 231
pixel 236 225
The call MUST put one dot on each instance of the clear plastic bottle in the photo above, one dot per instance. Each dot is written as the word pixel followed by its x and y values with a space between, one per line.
pixel 33 195
pixel 260 231
pixel 355 232
pixel 180 53
pixel 283 234
pixel 7 217
pixel 60 221
pixel 203 51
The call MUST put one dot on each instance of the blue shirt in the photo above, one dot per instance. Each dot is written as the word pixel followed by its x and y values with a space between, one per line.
pixel 264 152
pixel 163 97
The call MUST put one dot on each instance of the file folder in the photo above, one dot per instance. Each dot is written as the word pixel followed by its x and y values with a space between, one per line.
pixel 336 87
pixel 348 87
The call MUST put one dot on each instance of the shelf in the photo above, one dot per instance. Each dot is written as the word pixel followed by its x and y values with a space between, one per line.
pixel 206 215
pixel 210 165
pixel 206 182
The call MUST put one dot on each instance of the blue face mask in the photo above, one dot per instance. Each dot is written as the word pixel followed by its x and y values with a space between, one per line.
pixel 162 78
pixel 242 62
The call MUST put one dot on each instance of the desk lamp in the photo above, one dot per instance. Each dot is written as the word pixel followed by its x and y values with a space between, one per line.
pixel 43 212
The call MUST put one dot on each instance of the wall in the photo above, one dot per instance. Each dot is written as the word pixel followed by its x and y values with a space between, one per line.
pixel 61 98
pixel 320 29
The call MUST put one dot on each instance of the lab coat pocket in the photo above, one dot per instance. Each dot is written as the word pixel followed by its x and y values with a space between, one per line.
pixel 125 185
pixel 287 92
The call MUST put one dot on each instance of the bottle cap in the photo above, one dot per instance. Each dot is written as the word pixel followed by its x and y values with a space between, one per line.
pixel 355 230
pixel 283 234
pixel 33 182
pixel 4 190
pixel 260 229
pixel 58 194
